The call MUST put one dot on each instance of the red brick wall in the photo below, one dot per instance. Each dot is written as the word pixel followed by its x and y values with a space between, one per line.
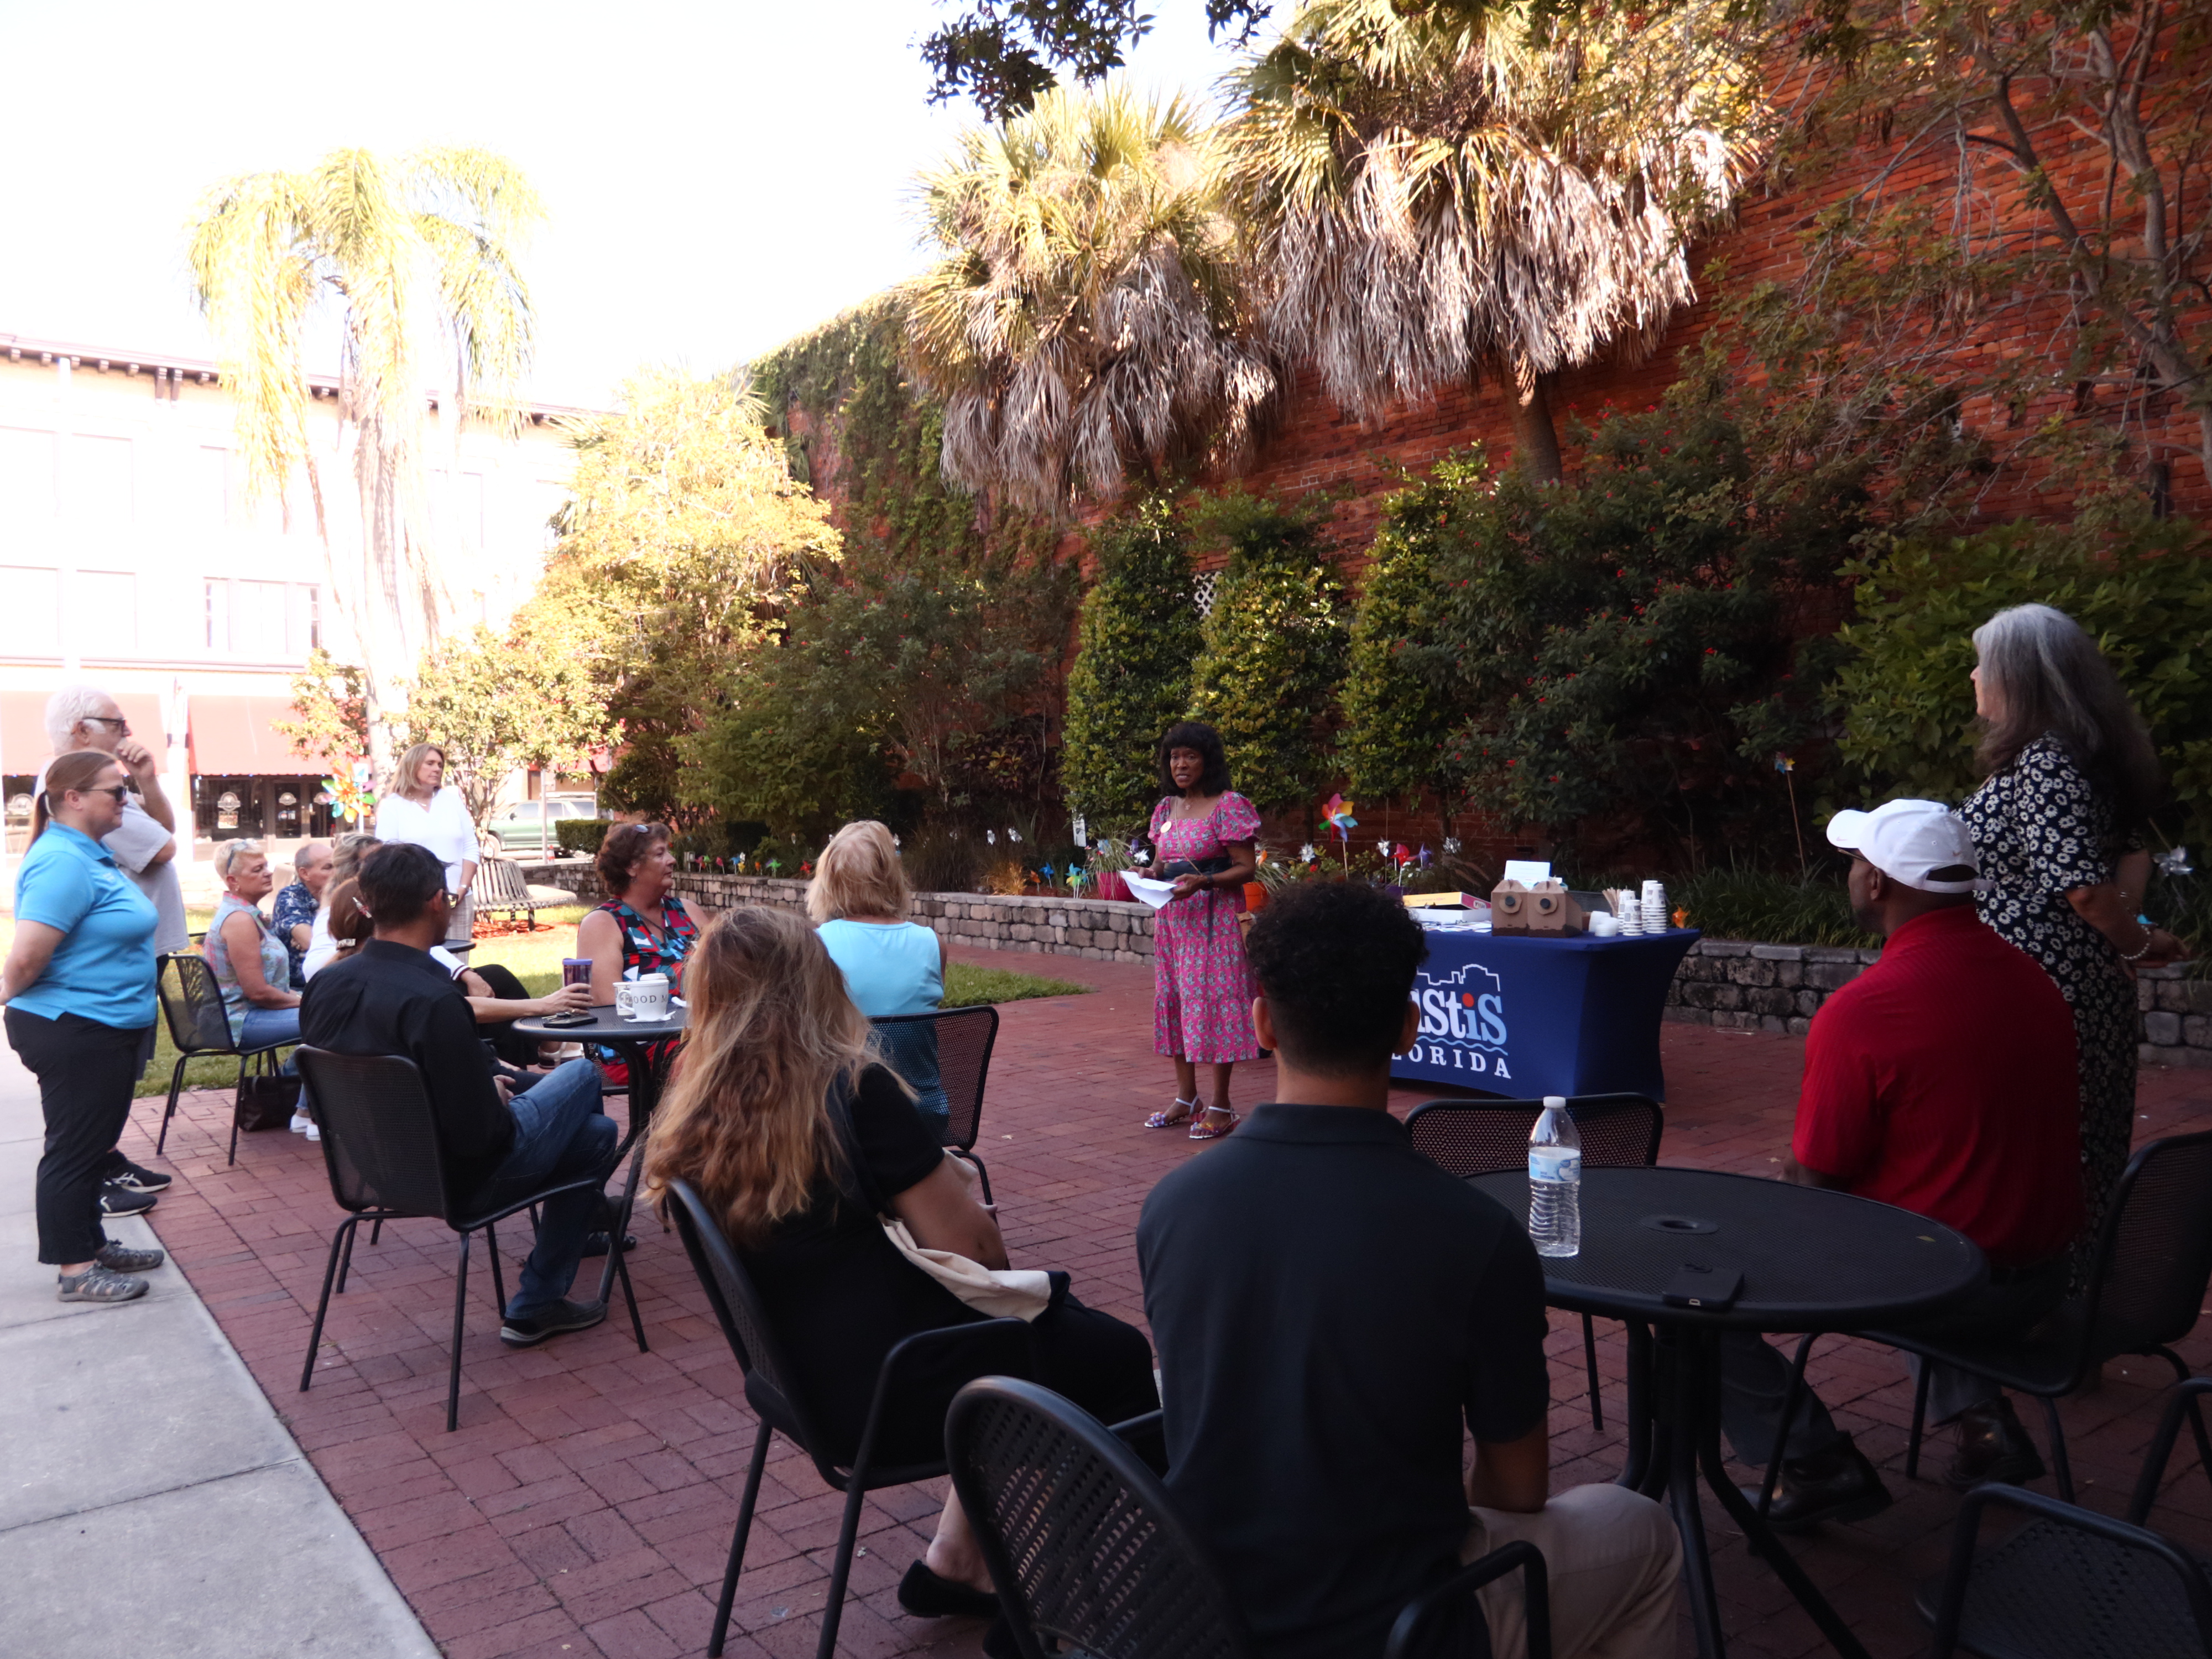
pixel 1316 445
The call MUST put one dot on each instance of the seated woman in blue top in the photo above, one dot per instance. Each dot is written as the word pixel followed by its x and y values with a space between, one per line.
pixel 251 967
pixel 859 901
pixel 79 987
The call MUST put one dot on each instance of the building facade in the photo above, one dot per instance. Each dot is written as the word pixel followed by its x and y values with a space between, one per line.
pixel 131 557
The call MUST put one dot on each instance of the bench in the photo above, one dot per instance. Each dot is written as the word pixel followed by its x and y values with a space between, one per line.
pixel 500 889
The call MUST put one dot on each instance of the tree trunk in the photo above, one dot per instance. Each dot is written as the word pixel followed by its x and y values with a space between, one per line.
pixel 1535 444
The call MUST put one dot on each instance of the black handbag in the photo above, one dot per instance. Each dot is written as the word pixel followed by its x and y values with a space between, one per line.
pixel 266 1100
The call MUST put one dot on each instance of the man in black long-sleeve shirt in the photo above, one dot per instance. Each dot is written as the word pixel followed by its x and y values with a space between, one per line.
pixel 389 997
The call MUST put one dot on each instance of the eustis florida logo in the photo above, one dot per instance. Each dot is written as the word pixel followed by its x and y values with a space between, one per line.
pixel 1463 1022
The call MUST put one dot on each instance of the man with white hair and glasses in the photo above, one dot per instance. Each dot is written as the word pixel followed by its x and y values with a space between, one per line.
pixel 144 845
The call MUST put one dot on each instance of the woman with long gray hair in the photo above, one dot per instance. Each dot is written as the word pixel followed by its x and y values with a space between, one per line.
pixel 2058 823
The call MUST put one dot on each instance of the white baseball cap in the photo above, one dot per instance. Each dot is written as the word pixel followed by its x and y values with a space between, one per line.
pixel 1921 843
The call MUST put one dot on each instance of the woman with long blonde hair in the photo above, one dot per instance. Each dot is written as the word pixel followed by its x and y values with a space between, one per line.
pixel 422 807
pixel 861 905
pixel 803 1146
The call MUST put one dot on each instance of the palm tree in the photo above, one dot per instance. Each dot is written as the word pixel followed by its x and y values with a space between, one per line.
pixel 418 257
pixel 1445 192
pixel 1087 313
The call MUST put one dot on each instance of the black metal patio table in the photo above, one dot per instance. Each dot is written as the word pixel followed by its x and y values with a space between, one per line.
pixel 633 1040
pixel 1812 1260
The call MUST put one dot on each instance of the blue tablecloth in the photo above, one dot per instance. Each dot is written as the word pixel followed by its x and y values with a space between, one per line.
pixel 1530 1014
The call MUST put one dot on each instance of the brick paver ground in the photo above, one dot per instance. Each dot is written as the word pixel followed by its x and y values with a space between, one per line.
pixel 584 1506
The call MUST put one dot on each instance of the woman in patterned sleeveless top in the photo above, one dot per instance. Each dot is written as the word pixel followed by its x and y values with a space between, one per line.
pixel 643 929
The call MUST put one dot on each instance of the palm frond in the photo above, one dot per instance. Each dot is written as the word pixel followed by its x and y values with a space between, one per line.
pixel 1089 312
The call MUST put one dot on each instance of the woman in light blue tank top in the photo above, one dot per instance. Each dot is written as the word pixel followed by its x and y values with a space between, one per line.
pixel 859 901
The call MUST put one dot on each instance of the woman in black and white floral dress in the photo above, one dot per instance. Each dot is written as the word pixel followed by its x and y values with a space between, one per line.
pixel 2072 781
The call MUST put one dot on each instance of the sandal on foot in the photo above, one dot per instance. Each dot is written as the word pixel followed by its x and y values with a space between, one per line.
pixel 1173 1120
pixel 1202 1130
pixel 120 1259
pixel 98 1284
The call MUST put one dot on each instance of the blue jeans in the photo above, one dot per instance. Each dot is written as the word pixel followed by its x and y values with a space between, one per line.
pixel 264 1026
pixel 560 1135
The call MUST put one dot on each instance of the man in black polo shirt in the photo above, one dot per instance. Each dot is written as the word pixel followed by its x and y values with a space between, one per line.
pixel 390 996
pixel 1331 1310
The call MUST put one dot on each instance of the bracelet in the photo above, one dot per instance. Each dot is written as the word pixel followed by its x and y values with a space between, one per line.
pixel 2138 953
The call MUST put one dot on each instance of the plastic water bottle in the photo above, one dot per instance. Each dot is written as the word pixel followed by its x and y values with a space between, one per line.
pixel 1555 1181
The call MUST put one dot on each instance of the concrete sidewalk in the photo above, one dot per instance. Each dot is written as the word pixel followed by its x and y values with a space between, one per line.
pixel 149 1498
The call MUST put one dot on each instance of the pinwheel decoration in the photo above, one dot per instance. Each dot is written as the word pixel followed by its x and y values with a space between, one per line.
pixel 1338 812
pixel 350 796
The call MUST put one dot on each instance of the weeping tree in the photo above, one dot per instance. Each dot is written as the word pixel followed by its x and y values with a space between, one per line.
pixel 417 257
pixel 1453 193
pixel 1087 314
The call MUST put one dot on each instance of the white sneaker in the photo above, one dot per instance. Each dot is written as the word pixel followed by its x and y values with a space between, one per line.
pixel 313 1134
pixel 302 1123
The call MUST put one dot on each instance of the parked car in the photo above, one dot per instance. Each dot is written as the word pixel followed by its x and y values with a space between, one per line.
pixel 527 826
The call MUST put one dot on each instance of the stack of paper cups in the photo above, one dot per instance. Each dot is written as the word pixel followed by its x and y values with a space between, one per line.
pixel 1655 907
pixel 1632 917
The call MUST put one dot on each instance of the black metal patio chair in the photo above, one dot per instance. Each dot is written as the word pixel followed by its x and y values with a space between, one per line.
pixel 386 1164
pixel 2074 1584
pixel 192 1002
pixel 1481 1136
pixel 2146 1288
pixel 1088 1553
pixel 965 1037
pixel 994 1345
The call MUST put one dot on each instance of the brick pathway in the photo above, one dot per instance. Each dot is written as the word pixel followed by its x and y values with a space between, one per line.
pixel 583 1508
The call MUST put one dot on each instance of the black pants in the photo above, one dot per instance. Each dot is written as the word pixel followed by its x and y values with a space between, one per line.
pixel 1756 1374
pixel 515 1050
pixel 87 1073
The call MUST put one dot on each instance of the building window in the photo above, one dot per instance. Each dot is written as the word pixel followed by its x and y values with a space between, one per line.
pixel 30 611
pixel 99 492
pixel 26 475
pixel 257 619
pixel 106 612
pixel 306 628
pixel 218 616
pixel 268 622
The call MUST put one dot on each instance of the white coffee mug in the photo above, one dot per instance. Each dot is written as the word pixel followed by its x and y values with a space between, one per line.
pixel 643 998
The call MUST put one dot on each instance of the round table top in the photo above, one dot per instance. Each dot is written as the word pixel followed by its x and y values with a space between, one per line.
pixel 607 1027
pixel 1811 1259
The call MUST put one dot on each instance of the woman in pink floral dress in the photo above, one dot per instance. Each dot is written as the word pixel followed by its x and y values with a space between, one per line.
pixel 1202 990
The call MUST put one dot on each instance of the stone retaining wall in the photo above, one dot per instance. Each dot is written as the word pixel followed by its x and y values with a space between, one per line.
pixel 1097 930
pixel 1731 983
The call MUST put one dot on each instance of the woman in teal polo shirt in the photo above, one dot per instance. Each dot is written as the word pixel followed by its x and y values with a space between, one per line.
pixel 79 986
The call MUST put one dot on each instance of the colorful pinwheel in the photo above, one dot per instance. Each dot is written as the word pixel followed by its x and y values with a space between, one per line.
pixel 1338 812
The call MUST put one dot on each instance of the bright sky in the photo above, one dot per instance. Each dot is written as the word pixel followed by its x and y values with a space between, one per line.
pixel 719 176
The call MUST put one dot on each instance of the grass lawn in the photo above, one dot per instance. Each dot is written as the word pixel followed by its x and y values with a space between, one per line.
pixel 535 959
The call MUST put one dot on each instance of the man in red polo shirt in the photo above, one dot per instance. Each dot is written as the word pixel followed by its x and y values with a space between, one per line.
pixel 1941 1080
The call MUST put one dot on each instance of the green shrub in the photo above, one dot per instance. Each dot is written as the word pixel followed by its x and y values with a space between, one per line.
pixel 1274 648
pixel 1626 653
pixel 581 834
pixel 1773 909
pixel 2146 595
pixel 1396 741
pixel 1131 680
pixel 944 858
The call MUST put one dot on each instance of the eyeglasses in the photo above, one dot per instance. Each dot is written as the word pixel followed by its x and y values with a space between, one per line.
pixel 122 727
pixel 120 791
